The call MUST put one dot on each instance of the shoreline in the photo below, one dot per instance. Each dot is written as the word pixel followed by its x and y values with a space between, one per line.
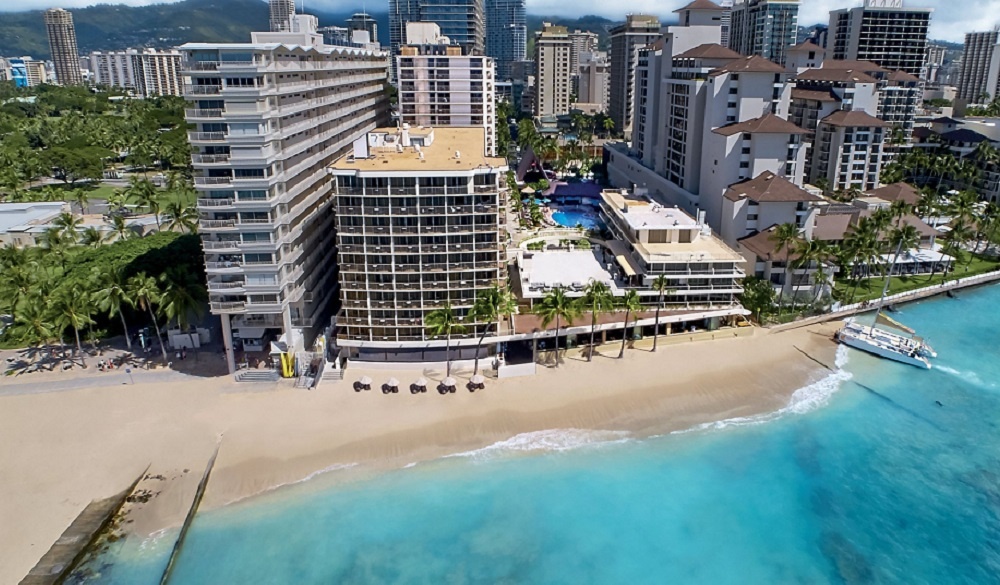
pixel 89 440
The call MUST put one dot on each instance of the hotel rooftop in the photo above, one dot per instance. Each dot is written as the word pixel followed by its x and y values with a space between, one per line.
pixel 419 148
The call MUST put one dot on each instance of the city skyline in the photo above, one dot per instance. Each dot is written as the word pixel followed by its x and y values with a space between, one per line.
pixel 946 25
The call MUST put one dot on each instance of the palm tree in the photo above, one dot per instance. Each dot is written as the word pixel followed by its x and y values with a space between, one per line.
pixel 73 310
pixel 440 322
pixel 144 292
pixel 68 223
pixel 556 306
pixel 34 326
pixel 82 198
pixel 179 216
pixel 662 286
pixel 986 224
pixel 120 230
pixel 784 237
pixel 91 236
pixel 609 126
pixel 182 295
pixel 631 303
pixel 112 297
pixel 597 299
pixel 492 305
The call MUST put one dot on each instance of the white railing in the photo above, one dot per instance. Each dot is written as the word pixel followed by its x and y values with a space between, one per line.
pixel 209 158
pixel 217 223
pixel 228 306
pixel 206 245
pixel 202 113
pixel 224 285
pixel 223 265
pixel 214 202
pixel 212 180
pixel 207 136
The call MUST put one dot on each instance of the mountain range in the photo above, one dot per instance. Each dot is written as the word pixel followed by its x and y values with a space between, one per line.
pixel 106 27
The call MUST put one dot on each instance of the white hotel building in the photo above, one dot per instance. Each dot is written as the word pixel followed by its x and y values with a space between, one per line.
pixel 420 218
pixel 269 117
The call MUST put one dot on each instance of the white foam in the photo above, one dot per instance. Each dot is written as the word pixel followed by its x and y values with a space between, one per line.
pixel 548 440
pixel 803 400
pixel 967 377
pixel 335 467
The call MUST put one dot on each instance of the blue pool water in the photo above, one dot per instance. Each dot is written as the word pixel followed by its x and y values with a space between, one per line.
pixel 862 479
pixel 574 217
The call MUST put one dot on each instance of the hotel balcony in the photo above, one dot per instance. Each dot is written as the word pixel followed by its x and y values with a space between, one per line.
pixel 233 287
pixel 218 247
pixel 209 159
pixel 224 267
pixel 211 137
pixel 217 224
pixel 227 306
pixel 216 202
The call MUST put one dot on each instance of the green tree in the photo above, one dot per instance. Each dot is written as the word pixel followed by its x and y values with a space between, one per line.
pixel 181 217
pixel 632 304
pixel 597 299
pixel 758 296
pixel 662 286
pixel 444 321
pixel 120 229
pixel 784 237
pixel 34 326
pixel 557 306
pixel 182 295
pixel 72 310
pixel 111 297
pixel 492 305
pixel 145 293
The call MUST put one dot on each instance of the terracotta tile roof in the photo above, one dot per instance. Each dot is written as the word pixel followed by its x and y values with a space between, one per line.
pixel 839 75
pixel 709 51
pixel 763 245
pixel 752 64
pixel 902 76
pixel 700 5
pixel 896 192
pixel 767 188
pixel 815 95
pixel 853 119
pixel 767 124
pixel 804 46
pixel 832 227
pixel 848 64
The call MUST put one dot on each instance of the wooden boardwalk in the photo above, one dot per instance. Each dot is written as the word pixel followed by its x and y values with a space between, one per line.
pixel 71 547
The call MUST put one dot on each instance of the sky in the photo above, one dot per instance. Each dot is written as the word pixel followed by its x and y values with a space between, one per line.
pixel 951 19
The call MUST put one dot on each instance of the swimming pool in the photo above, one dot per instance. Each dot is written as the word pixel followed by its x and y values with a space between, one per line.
pixel 574 216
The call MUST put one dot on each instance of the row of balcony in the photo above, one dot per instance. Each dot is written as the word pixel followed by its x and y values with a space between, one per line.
pixel 425 248
pixel 421 190
pixel 429 229
pixel 267 65
pixel 418 210
pixel 441 267
pixel 416 286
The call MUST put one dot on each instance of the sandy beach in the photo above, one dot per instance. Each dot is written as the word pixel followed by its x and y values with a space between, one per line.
pixel 64 449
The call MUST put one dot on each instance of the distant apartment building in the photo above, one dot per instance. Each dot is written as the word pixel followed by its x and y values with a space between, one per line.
pixel 281 14
pixel 764 27
pixel 506 35
pixel 980 72
pixel 364 22
pixel 462 21
pixel 268 118
pixel 884 32
pixel 580 42
pixel 420 218
pixel 442 85
pixel 637 31
pixel 26 72
pixel 593 82
pixel 553 77
pixel 727 21
pixel 147 72
pixel 62 45
pixel 936 56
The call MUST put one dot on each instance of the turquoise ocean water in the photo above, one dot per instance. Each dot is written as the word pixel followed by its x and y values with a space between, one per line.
pixel 863 479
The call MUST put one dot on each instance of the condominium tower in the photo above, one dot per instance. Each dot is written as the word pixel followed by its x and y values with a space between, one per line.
pixel 281 13
pixel 638 31
pixel 980 70
pixel 580 42
pixel 147 72
pixel 462 21
pixel 269 116
pixel 442 85
pixel 553 83
pixel 884 32
pixel 506 35
pixel 62 45
pixel 764 27
pixel 420 218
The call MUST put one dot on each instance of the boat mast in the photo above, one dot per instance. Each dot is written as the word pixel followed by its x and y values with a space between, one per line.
pixel 885 287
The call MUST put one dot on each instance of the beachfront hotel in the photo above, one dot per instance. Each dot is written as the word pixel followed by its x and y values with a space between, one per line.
pixel 420 223
pixel 268 118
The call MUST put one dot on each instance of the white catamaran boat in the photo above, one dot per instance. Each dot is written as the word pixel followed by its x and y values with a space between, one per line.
pixel 894 346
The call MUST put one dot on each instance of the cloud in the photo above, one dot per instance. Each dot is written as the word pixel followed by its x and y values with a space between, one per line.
pixel 947 23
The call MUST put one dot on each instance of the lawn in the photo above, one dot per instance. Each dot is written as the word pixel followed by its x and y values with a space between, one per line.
pixel 872 289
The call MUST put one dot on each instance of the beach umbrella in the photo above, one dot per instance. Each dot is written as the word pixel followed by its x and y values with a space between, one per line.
pixel 478 379
pixel 394 383
pixel 449 381
pixel 422 382
pixel 365 381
